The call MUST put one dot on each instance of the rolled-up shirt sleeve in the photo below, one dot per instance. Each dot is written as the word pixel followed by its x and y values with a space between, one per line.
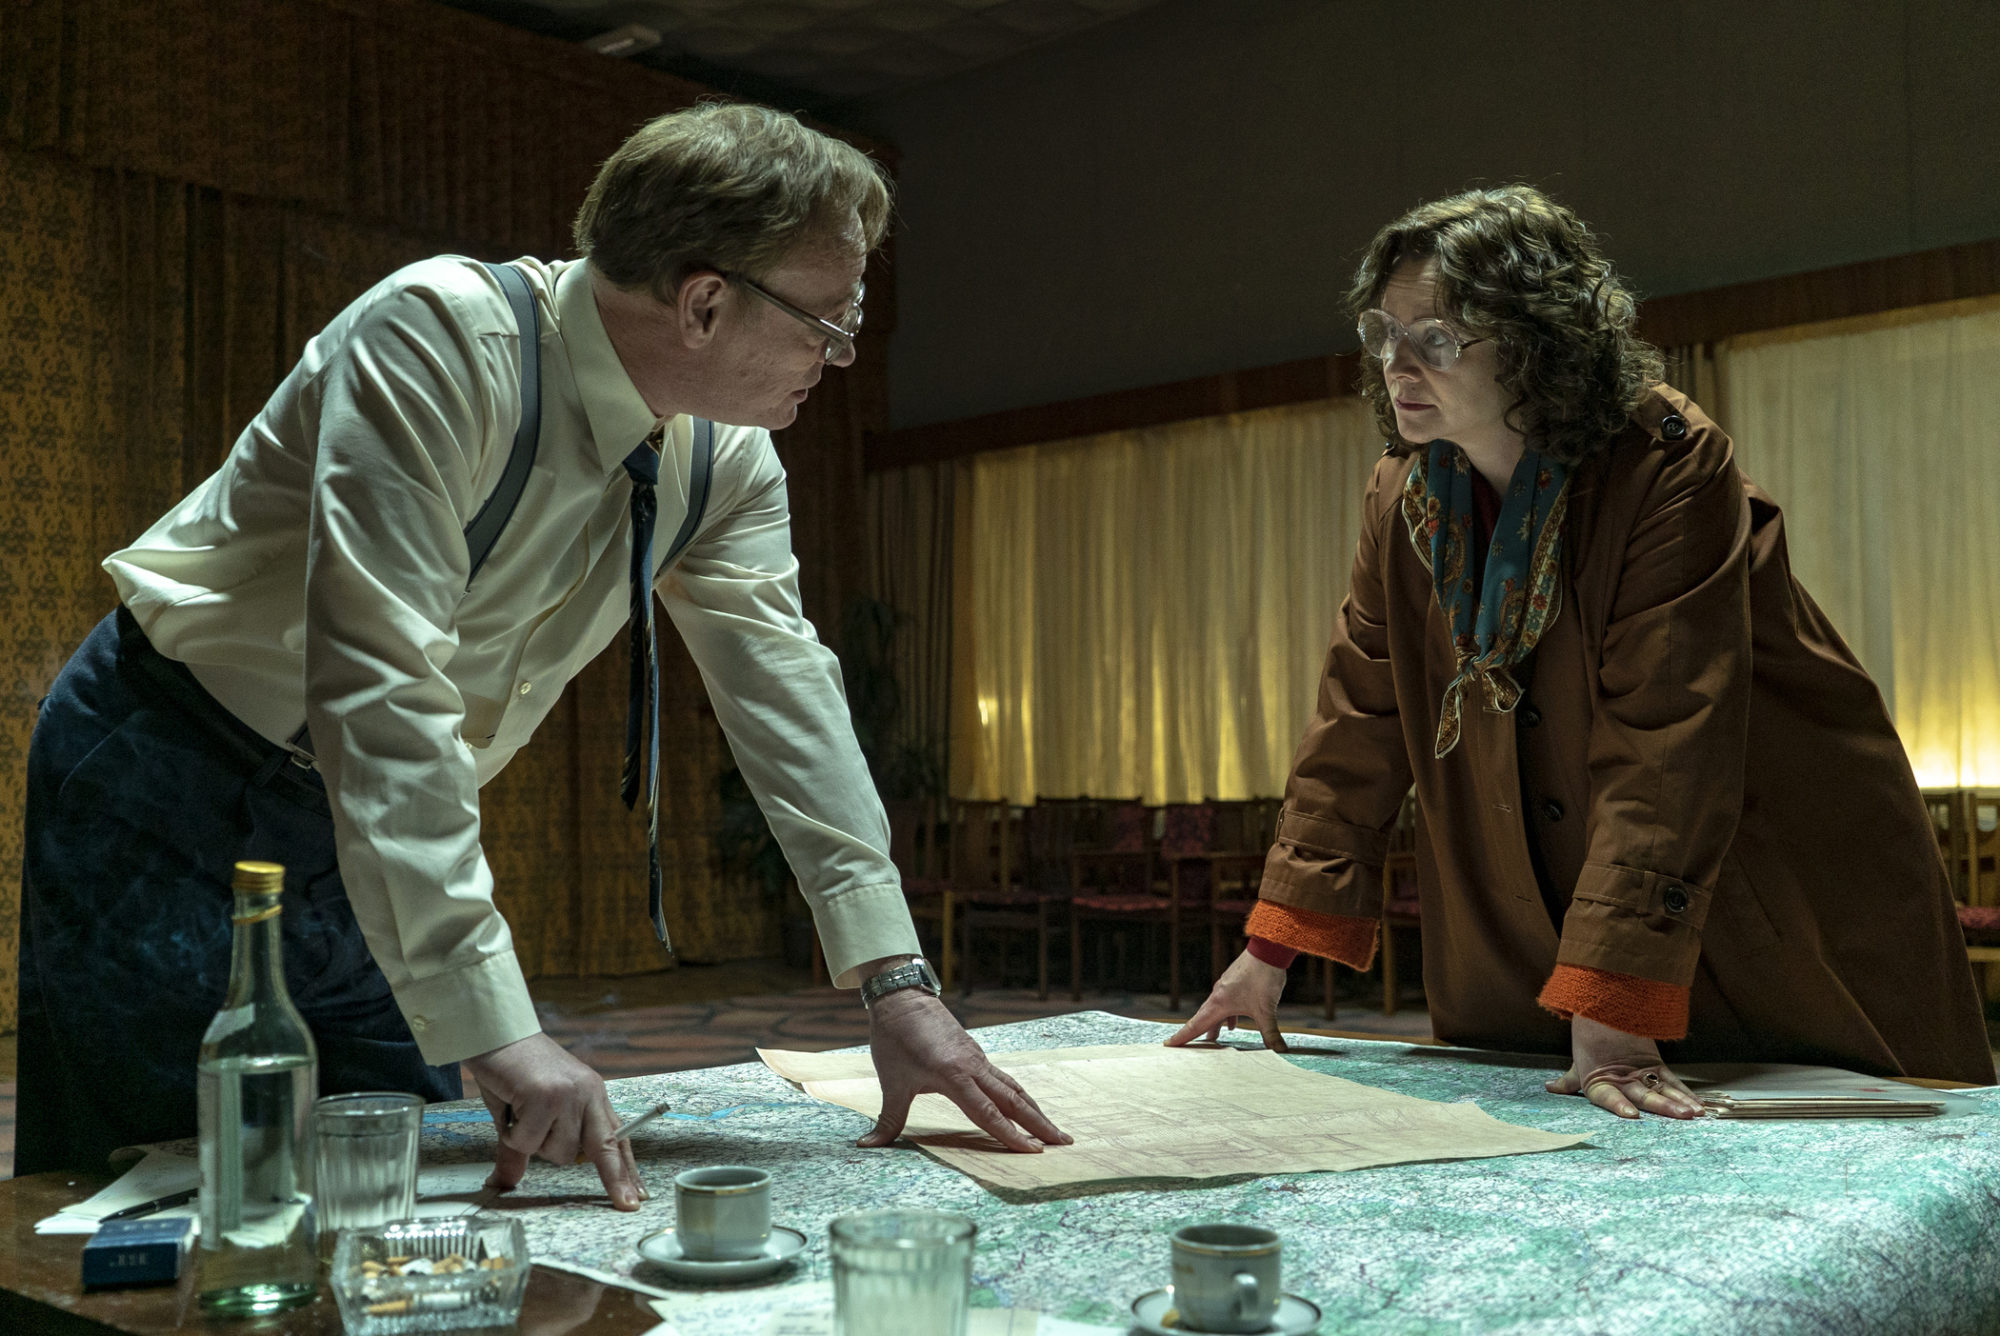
pixel 401 442
pixel 734 598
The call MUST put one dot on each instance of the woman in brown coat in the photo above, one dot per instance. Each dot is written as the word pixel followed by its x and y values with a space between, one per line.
pixel 1662 811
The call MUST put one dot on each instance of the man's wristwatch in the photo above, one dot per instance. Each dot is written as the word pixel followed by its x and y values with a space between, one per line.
pixel 915 974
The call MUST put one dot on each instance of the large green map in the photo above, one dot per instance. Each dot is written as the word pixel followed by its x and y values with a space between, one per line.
pixel 1846 1228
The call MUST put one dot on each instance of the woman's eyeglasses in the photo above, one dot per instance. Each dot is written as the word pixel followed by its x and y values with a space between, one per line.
pixel 1433 343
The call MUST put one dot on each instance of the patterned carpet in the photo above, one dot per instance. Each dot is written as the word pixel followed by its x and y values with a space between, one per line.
pixel 712 1015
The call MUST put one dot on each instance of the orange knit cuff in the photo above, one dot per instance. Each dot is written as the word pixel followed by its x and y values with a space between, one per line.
pixel 1643 1007
pixel 1351 941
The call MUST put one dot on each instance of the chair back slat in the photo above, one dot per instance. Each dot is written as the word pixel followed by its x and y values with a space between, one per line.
pixel 981 844
pixel 1188 828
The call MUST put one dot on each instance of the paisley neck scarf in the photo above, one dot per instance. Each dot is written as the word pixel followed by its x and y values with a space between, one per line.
pixel 1496 625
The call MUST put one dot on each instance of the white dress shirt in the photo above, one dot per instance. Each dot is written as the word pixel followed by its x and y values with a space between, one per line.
pixel 320 576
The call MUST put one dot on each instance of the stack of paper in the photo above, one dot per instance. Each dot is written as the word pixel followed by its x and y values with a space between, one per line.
pixel 1786 1090
pixel 1807 1104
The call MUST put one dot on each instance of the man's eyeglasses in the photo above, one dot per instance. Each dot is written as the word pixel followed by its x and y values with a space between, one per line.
pixel 1434 344
pixel 839 337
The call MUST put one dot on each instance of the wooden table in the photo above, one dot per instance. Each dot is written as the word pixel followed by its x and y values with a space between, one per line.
pixel 40 1291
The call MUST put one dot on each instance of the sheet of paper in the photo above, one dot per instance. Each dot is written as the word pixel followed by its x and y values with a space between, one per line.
pixel 157 1174
pixel 442 1190
pixel 1144 1111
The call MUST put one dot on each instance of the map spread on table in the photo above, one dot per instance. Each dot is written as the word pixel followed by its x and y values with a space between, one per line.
pixel 1840 1228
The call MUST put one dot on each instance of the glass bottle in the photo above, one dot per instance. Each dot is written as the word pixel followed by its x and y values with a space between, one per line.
pixel 256 1079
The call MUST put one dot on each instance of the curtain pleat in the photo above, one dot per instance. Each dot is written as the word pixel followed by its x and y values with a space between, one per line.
pixel 1150 609
pixel 188 192
pixel 1883 448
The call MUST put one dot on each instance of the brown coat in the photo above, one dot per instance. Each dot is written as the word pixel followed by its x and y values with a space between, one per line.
pixel 1708 779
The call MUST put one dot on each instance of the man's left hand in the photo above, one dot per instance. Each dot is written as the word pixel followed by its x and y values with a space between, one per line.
pixel 919 1047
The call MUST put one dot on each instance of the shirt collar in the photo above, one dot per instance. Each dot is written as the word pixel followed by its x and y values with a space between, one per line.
pixel 619 418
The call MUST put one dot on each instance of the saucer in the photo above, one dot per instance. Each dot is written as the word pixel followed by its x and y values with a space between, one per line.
pixel 1152 1310
pixel 663 1249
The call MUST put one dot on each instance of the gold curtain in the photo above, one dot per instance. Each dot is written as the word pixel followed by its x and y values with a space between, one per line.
pixel 188 191
pixel 1880 438
pixel 1147 612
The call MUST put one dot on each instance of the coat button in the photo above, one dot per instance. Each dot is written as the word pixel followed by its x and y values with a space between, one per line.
pixel 1673 427
pixel 1530 716
pixel 1552 809
pixel 1675 898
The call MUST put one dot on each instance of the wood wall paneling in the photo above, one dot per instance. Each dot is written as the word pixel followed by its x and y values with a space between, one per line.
pixel 1867 288
pixel 188 192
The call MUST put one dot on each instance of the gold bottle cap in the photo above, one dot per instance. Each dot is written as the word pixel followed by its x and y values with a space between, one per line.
pixel 254 878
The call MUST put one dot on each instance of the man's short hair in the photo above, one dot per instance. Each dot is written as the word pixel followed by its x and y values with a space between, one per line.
pixel 725 186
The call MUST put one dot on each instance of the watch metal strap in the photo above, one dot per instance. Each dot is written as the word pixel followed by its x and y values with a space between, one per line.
pixel 916 974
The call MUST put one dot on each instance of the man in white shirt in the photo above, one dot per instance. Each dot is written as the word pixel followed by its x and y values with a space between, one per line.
pixel 324 578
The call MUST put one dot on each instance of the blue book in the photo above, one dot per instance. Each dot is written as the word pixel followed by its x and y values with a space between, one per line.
pixel 147 1251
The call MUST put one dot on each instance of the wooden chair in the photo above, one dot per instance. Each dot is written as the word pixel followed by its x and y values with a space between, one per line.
pixel 1233 879
pixel 978 858
pixel 1978 845
pixel 1177 883
pixel 1045 835
pixel 1119 884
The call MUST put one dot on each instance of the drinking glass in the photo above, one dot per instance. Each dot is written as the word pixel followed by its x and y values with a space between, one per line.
pixel 365 1153
pixel 901 1272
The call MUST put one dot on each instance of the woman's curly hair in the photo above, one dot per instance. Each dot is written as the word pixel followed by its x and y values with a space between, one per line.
pixel 1515 267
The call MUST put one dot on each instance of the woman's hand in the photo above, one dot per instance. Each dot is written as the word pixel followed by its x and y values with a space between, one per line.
pixel 1623 1073
pixel 1248 988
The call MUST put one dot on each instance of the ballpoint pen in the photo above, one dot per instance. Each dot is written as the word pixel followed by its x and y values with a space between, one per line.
pixel 171 1200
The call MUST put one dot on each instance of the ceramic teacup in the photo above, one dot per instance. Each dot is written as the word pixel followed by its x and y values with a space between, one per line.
pixel 1226 1277
pixel 722 1213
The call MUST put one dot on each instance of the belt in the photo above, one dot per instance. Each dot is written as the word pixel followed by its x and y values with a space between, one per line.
pixel 168 681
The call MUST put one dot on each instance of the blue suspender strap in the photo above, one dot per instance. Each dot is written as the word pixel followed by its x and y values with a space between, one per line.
pixel 484 531
pixel 699 469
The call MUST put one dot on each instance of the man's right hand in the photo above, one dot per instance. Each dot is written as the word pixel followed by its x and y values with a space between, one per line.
pixel 546 1103
pixel 1248 988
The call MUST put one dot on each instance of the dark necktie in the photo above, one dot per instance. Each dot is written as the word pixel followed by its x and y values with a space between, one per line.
pixel 643 711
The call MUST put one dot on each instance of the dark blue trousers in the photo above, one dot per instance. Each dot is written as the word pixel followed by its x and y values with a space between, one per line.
pixel 143 793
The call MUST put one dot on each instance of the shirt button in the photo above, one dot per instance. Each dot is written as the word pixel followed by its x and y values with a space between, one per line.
pixel 1675 898
pixel 420 1022
pixel 1530 716
pixel 1552 809
pixel 1674 427
pixel 526 687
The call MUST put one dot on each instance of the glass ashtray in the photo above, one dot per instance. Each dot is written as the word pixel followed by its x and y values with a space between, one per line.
pixel 430 1275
